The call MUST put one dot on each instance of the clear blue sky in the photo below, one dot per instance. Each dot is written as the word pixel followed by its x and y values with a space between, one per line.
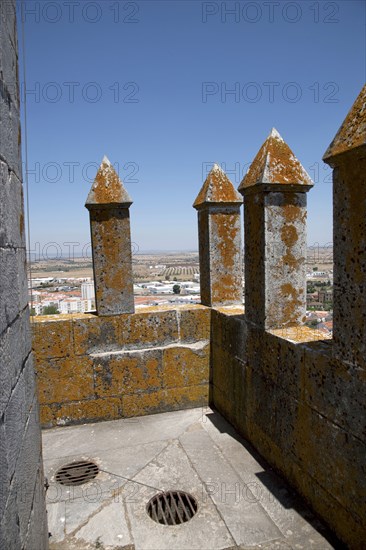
pixel 297 66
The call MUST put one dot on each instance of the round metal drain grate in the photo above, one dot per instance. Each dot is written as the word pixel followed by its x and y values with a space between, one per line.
pixel 77 473
pixel 172 507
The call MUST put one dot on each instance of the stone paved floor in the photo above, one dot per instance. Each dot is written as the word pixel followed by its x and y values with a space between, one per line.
pixel 241 502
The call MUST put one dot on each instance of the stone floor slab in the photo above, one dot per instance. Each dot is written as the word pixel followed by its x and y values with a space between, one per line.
pixel 242 503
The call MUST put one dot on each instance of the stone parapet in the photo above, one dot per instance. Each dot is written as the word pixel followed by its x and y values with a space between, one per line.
pixel 94 368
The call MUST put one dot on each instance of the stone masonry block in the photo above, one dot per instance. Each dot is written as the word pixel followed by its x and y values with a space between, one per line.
pixel 17 413
pixel 9 525
pixel 13 282
pixel 11 209
pixel 10 131
pixel 165 400
pixel 94 334
pixel 26 474
pixel 194 323
pixel 282 362
pixel 186 366
pixel 335 389
pixel 128 372
pixel 16 337
pixel 65 379
pixel 327 451
pixel 91 410
pixel 52 337
pixel 148 327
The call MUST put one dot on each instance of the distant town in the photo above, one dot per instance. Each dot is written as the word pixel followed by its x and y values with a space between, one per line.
pixel 66 286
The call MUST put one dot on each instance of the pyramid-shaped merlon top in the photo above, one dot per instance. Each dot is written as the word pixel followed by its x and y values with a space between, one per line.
pixel 275 163
pixel 217 189
pixel 107 188
pixel 352 133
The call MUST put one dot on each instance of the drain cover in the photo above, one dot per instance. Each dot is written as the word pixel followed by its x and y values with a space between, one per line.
pixel 172 507
pixel 77 473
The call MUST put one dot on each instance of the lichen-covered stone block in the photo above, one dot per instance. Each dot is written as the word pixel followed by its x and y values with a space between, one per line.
pixel 93 334
pixel 91 410
pixel 275 236
pixel 194 323
pixel 335 389
pixel 149 327
pixel 127 372
pixel 165 400
pixel 219 235
pixel 185 366
pixel 347 155
pixel 65 379
pixel 52 336
pixel 108 203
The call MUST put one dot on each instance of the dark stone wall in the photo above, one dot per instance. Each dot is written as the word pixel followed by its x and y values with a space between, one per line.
pixel 22 509
pixel 302 408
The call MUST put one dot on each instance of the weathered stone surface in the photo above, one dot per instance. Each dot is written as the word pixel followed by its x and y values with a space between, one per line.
pixel 92 334
pixel 65 379
pixel 347 155
pixel 10 131
pixel 340 467
pixel 107 188
pixel 165 401
pixel 127 373
pixel 149 327
pixel 335 389
pixel 22 506
pixel 301 408
pixel 17 414
pixel 275 163
pixel 53 338
pixel 79 412
pixel 349 229
pixel 108 204
pixel 99 368
pixel 186 366
pixel 16 336
pixel 218 205
pixel 352 133
pixel 217 189
pixel 194 323
pixel 11 209
pixel 275 236
pixel 13 283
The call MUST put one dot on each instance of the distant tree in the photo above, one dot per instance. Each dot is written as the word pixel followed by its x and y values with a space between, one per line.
pixel 176 289
pixel 315 268
pixel 167 277
pixel 50 310
pixel 32 312
pixel 175 279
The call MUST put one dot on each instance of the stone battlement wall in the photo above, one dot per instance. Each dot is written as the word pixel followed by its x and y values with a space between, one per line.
pixel 298 398
pixel 92 368
pixel 303 410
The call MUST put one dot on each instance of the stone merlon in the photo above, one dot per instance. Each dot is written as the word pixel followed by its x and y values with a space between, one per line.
pixel 217 189
pixel 275 163
pixel 107 188
pixel 108 203
pixel 352 133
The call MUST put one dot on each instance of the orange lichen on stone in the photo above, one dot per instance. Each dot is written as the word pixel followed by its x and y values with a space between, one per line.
pixel 299 334
pixel 352 132
pixel 289 235
pixel 217 189
pixel 275 163
pixel 184 366
pixel 107 187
